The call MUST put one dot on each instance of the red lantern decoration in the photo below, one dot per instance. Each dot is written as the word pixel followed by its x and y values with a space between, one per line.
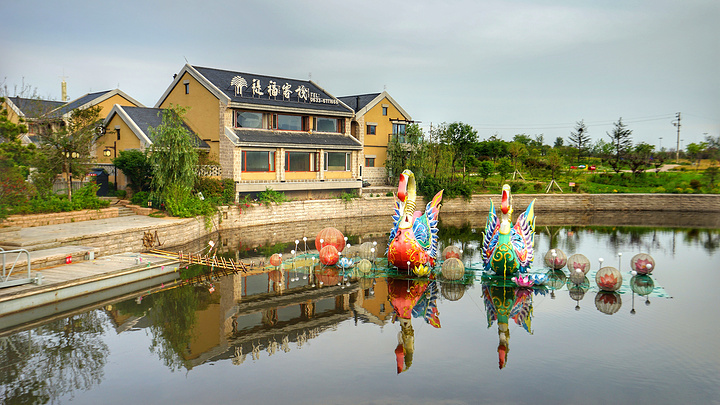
pixel 329 255
pixel 328 276
pixel 275 259
pixel 275 275
pixel 330 236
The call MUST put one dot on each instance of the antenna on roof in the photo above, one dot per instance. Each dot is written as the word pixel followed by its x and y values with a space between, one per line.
pixel 384 87
pixel 186 61
pixel 309 75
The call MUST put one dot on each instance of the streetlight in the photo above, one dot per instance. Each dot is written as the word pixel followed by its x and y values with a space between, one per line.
pixel 70 155
pixel 106 153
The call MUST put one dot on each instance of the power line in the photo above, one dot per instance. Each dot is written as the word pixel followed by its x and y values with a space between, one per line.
pixel 571 125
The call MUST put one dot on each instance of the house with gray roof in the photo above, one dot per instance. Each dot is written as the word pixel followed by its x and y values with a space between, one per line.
pixel 286 134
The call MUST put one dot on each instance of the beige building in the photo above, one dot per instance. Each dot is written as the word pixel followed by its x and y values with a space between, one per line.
pixel 270 132
pixel 378 119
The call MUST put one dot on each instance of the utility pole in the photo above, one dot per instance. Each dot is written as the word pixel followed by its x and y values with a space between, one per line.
pixel 677 150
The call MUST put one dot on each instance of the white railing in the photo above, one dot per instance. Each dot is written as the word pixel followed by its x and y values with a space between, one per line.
pixel 6 273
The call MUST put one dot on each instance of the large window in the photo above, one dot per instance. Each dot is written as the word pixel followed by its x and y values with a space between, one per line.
pixel 337 161
pixel 258 161
pixel 301 161
pixel 289 122
pixel 247 119
pixel 323 124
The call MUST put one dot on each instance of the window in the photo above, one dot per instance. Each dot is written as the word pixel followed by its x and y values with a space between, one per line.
pixel 258 161
pixel 247 119
pixel 369 162
pixel 301 161
pixel 288 122
pixel 384 110
pixel 326 124
pixel 187 86
pixel 371 129
pixel 398 129
pixel 337 161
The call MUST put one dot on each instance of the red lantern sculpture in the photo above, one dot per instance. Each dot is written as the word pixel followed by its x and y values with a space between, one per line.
pixel 330 236
pixel 329 255
pixel 275 259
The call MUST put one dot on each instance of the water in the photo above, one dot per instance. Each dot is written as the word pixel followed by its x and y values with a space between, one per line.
pixel 246 342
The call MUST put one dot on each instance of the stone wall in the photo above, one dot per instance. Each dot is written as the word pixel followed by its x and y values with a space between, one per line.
pixel 28 221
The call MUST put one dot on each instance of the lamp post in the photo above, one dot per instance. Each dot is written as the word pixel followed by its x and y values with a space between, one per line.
pixel 106 153
pixel 70 155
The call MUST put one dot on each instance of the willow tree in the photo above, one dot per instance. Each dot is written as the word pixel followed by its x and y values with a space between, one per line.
pixel 173 155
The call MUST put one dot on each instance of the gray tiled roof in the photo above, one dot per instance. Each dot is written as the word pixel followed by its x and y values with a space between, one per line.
pixel 358 102
pixel 296 138
pixel 145 118
pixel 34 108
pixel 222 80
pixel 77 103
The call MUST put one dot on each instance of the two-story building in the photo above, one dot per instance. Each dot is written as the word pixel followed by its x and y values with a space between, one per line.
pixel 270 132
pixel 378 119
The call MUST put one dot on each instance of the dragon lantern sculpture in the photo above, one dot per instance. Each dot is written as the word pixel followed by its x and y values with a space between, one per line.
pixel 413 242
pixel 508 249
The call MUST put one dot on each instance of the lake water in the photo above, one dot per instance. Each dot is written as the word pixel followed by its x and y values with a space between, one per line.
pixel 282 338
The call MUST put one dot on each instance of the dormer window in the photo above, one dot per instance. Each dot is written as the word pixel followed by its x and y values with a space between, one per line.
pixel 187 86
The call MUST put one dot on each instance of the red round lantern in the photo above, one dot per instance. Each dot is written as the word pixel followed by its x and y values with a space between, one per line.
pixel 328 276
pixel 329 255
pixel 275 259
pixel 330 236
pixel 275 275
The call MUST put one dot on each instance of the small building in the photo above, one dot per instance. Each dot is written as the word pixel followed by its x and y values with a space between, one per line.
pixel 128 128
pixel 286 134
pixel 378 119
pixel 28 111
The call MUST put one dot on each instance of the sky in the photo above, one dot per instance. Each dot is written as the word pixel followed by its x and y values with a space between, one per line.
pixel 504 67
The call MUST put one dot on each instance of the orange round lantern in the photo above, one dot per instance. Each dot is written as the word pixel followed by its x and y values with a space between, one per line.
pixel 275 259
pixel 275 275
pixel 451 251
pixel 329 255
pixel 330 236
pixel 328 276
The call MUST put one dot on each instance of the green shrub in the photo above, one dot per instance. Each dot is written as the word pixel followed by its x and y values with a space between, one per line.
pixel 695 184
pixel 271 196
pixel 140 198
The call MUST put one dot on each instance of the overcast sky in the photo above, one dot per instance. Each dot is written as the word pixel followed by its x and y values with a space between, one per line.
pixel 505 67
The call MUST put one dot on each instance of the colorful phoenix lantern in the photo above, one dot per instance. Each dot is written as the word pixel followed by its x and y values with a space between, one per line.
pixel 413 242
pixel 506 248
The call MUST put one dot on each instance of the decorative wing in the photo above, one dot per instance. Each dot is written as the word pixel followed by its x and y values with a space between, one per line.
pixel 396 222
pixel 490 310
pixel 425 227
pixel 426 307
pixel 492 229
pixel 522 237
pixel 521 312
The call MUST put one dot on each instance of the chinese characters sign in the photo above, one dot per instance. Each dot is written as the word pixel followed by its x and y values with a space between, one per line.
pixel 272 90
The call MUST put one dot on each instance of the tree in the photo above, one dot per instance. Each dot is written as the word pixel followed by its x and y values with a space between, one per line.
pixel 559 141
pixel 137 168
pixel 67 150
pixel 9 131
pixel 579 138
pixel 503 168
pixel 173 155
pixel 640 157
pixel 460 138
pixel 485 170
pixel 408 155
pixel 695 151
pixel 516 150
pixel 621 143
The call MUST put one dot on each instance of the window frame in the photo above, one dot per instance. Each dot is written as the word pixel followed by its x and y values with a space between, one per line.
pixel 313 161
pixel 371 129
pixel 271 161
pixel 370 162
pixel 348 162
pixel 237 112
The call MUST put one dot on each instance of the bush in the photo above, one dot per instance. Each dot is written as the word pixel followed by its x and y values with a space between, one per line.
pixel 221 191
pixel 140 198
pixel 271 196
pixel 695 184
pixel 429 186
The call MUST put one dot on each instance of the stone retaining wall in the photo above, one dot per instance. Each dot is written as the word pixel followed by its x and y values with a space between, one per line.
pixel 28 221
pixel 273 223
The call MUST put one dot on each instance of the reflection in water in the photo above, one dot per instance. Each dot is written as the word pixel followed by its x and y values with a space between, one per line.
pixel 58 358
pixel 246 318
